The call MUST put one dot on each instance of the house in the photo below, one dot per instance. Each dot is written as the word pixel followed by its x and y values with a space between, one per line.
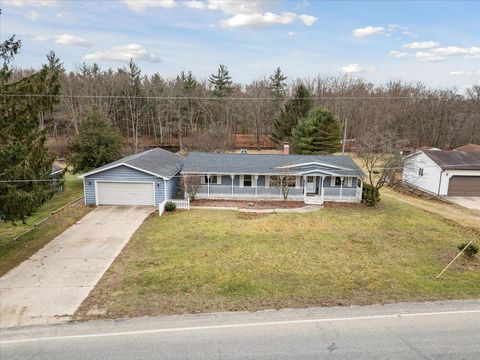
pixel 310 178
pixel 469 147
pixel 146 178
pixel 444 172
pixel 150 177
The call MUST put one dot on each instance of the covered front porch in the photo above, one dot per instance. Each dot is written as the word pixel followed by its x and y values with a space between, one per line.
pixel 312 189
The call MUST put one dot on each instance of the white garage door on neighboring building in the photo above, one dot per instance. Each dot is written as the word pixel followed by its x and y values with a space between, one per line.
pixel 125 193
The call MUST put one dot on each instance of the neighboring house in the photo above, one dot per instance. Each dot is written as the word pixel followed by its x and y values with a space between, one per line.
pixel 311 178
pixel 469 147
pixel 147 178
pixel 444 172
pixel 150 177
pixel 56 176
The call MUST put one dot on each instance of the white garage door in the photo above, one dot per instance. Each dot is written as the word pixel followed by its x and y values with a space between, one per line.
pixel 124 193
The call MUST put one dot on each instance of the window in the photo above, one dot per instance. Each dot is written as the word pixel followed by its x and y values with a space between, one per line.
pixel 247 180
pixel 276 181
pixel 420 171
pixel 338 181
pixel 214 179
pixel 359 183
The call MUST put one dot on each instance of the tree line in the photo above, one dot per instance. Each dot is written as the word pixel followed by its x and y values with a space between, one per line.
pixel 205 114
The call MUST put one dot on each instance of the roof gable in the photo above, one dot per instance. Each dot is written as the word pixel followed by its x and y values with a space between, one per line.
pixel 156 162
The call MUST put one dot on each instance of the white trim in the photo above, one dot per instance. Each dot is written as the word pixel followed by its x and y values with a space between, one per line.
pixel 123 164
pixel 267 181
pixel 313 163
pixel 84 193
pixel 349 181
pixel 125 181
pixel 297 182
pixel 240 181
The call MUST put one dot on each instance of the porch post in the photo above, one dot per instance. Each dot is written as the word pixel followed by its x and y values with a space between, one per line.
pixel 256 180
pixel 208 185
pixel 341 186
pixel 304 186
pixel 322 190
pixel 232 177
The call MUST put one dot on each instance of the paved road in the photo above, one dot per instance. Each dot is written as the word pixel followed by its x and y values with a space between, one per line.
pixel 51 285
pixel 444 330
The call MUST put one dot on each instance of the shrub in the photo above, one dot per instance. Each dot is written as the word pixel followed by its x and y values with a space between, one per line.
pixel 370 195
pixel 170 206
pixel 470 250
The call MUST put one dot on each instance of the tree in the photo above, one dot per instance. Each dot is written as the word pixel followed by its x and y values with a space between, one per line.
pixel 222 82
pixel 381 161
pixel 294 109
pixel 96 144
pixel 25 162
pixel 277 83
pixel 318 133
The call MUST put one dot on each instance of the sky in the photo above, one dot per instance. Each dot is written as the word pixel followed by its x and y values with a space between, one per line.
pixel 437 43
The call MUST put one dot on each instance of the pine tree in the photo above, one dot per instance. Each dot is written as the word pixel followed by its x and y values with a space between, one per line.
pixel 188 81
pixel 293 110
pixel 222 82
pixel 318 133
pixel 96 144
pixel 25 162
pixel 277 83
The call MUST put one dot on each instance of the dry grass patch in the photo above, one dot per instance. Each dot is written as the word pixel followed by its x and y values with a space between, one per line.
pixel 202 261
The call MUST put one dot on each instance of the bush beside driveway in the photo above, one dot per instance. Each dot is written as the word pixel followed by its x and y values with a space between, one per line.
pixel 203 261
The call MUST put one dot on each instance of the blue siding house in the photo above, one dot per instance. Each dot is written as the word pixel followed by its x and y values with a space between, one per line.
pixel 147 178
pixel 150 177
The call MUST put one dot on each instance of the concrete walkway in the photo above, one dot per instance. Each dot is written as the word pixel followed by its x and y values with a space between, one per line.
pixel 51 285
pixel 469 202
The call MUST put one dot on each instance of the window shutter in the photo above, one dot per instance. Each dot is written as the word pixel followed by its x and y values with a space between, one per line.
pixel 241 181
pixel 332 181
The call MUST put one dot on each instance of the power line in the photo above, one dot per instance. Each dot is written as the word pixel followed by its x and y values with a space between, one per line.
pixel 225 98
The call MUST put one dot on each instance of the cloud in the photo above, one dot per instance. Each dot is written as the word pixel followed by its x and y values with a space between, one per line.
pixel 398 54
pixel 455 50
pixel 123 53
pixel 67 39
pixel 33 15
pixel 368 31
pixel 351 69
pixel 422 45
pixel 462 73
pixel 195 4
pixel 266 19
pixel 142 5
pixel 428 57
pixel 20 3
pixel 255 14
pixel 409 33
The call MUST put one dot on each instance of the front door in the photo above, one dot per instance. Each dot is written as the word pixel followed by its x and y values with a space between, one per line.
pixel 311 184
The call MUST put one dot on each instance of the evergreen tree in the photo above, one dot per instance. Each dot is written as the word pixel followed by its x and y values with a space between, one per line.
pixel 293 110
pixel 222 82
pixel 188 81
pixel 96 144
pixel 317 133
pixel 25 162
pixel 277 83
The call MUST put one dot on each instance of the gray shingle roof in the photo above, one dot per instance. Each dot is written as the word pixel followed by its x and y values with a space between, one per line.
pixel 455 160
pixel 265 164
pixel 156 161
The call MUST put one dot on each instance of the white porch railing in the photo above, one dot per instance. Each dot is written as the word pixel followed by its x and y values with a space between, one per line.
pixel 181 204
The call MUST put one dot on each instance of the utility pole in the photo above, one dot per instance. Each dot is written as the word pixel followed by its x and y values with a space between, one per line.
pixel 344 135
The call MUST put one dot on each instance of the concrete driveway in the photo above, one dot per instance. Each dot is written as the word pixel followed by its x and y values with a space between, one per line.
pixel 469 202
pixel 50 286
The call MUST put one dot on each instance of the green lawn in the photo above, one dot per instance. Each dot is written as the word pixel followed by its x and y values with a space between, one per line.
pixel 201 261
pixel 12 252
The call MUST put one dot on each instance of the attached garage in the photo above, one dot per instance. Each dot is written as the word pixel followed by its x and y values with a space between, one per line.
pixel 125 193
pixel 146 178
pixel 464 186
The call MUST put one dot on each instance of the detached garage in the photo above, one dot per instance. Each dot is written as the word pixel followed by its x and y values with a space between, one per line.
pixel 147 178
pixel 444 172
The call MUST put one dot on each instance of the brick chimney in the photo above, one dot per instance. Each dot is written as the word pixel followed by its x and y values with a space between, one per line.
pixel 286 149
